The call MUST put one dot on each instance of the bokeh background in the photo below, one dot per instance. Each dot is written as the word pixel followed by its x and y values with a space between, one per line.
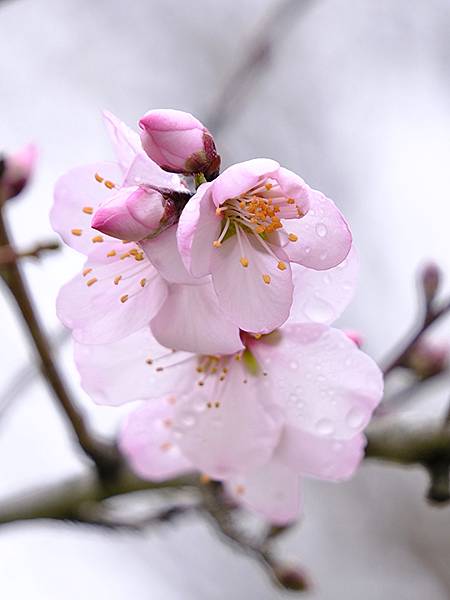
pixel 354 95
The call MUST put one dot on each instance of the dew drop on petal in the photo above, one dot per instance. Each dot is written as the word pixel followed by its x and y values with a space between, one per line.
pixel 324 427
pixel 355 417
pixel 321 230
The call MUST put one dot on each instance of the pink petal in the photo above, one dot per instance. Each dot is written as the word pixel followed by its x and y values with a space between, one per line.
pixel 243 295
pixel 126 142
pixel 192 320
pixel 145 172
pixel 325 458
pixel 78 189
pixel 271 490
pixel 93 306
pixel 106 370
pixel 241 177
pixel 322 296
pixel 198 227
pixel 326 385
pixel 223 428
pixel 324 239
pixel 148 443
pixel 293 186
pixel 163 253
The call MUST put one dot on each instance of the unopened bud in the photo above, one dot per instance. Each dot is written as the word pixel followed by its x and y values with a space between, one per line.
pixel 179 143
pixel 431 277
pixel 16 170
pixel 427 358
pixel 291 578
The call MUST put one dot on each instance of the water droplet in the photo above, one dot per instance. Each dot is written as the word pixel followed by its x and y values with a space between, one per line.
pixel 188 420
pixel 324 427
pixel 307 249
pixel 321 230
pixel 318 310
pixel 355 417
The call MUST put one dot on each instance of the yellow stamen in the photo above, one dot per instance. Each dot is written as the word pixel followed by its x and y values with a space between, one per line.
pixel 266 278
pixel 86 271
pixel 290 201
pixel 292 237
pixel 98 178
pixel 244 261
pixel 124 298
pixel 111 253
pixel 109 184
pixel 217 244
pixel 268 186
pixel 91 281
pixel 117 279
pixel 88 210
pixel 77 232
pixel 142 282
pixel 257 336
pixel 281 265
pixel 97 239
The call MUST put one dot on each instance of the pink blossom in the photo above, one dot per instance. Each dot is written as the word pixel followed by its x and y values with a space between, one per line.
pixel 247 228
pixel 18 169
pixel 294 403
pixel 178 142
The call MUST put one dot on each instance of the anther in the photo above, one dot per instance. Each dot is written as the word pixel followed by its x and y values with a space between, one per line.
pixel 244 261
pixel 124 298
pixel 88 210
pixel 98 178
pixel 209 404
pixel 281 265
pixel 217 244
pixel 266 278
pixel 86 271
pixel 159 369
pixel 97 239
pixel 257 336
pixel 292 237
pixel 149 361
pixel 109 184
pixel 91 281
pixel 268 186
pixel 111 253
pixel 117 279
pixel 142 282
pixel 77 232
pixel 290 201
pixel 217 404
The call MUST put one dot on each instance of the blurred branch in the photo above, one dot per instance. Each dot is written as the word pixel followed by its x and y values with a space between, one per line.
pixel 8 255
pixel 274 27
pixel 104 456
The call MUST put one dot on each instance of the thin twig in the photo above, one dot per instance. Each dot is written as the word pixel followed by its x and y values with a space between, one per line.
pixel 104 456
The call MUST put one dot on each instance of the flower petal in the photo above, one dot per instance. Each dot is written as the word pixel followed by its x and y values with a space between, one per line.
pixel 134 368
pixel 163 253
pixel 243 293
pixel 223 427
pixel 197 229
pixel 148 443
pixel 241 177
pixel 326 385
pixel 192 320
pixel 127 142
pixel 114 296
pixel 325 458
pixel 322 297
pixel 324 239
pixel 77 194
pixel 145 172
pixel 272 490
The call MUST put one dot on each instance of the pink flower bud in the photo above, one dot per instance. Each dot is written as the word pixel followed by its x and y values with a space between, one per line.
pixel 133 214
pixel 17 170
pixel 179 143
pixel 291 577
pixel 355 336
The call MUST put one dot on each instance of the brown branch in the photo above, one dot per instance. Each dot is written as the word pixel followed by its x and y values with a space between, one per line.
pixel 104 456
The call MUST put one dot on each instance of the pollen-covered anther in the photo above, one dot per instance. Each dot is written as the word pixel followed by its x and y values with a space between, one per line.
pixel 290 201
pixel 76 232
pixel 97 239
pixel 98 178
pixel 111 253
pixel 266 278
pixel 123 299
pixel 281 265
pixel 149 361
pixel 142 282
pixel 201 383
pixel 268 186
pixel 217 404
pixel 91 281
pixel 244 261
pixel 125 255
pixel 109 184
pixel 159 369
pixel 87 271
pixel 217 243
pixel 88 210
pixel 292 237
pixel 257 336
pixel 209 405
pixel 117 278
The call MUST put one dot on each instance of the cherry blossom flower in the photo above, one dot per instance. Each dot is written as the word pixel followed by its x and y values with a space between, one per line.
pixel 247 227
pixel 292 403
pixel 119 290
pixel 178 142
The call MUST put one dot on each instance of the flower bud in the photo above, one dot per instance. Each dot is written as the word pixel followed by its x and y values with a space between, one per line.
pixel 179 143
pixel 133 214
pixel 17 170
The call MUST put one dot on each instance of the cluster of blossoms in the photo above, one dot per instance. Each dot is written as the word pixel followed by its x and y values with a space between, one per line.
pixel 208 297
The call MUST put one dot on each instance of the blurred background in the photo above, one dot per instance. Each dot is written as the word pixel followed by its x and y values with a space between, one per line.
pixel 354 95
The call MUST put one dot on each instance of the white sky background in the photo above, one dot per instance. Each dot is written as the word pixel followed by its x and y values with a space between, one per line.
pixel 356 99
